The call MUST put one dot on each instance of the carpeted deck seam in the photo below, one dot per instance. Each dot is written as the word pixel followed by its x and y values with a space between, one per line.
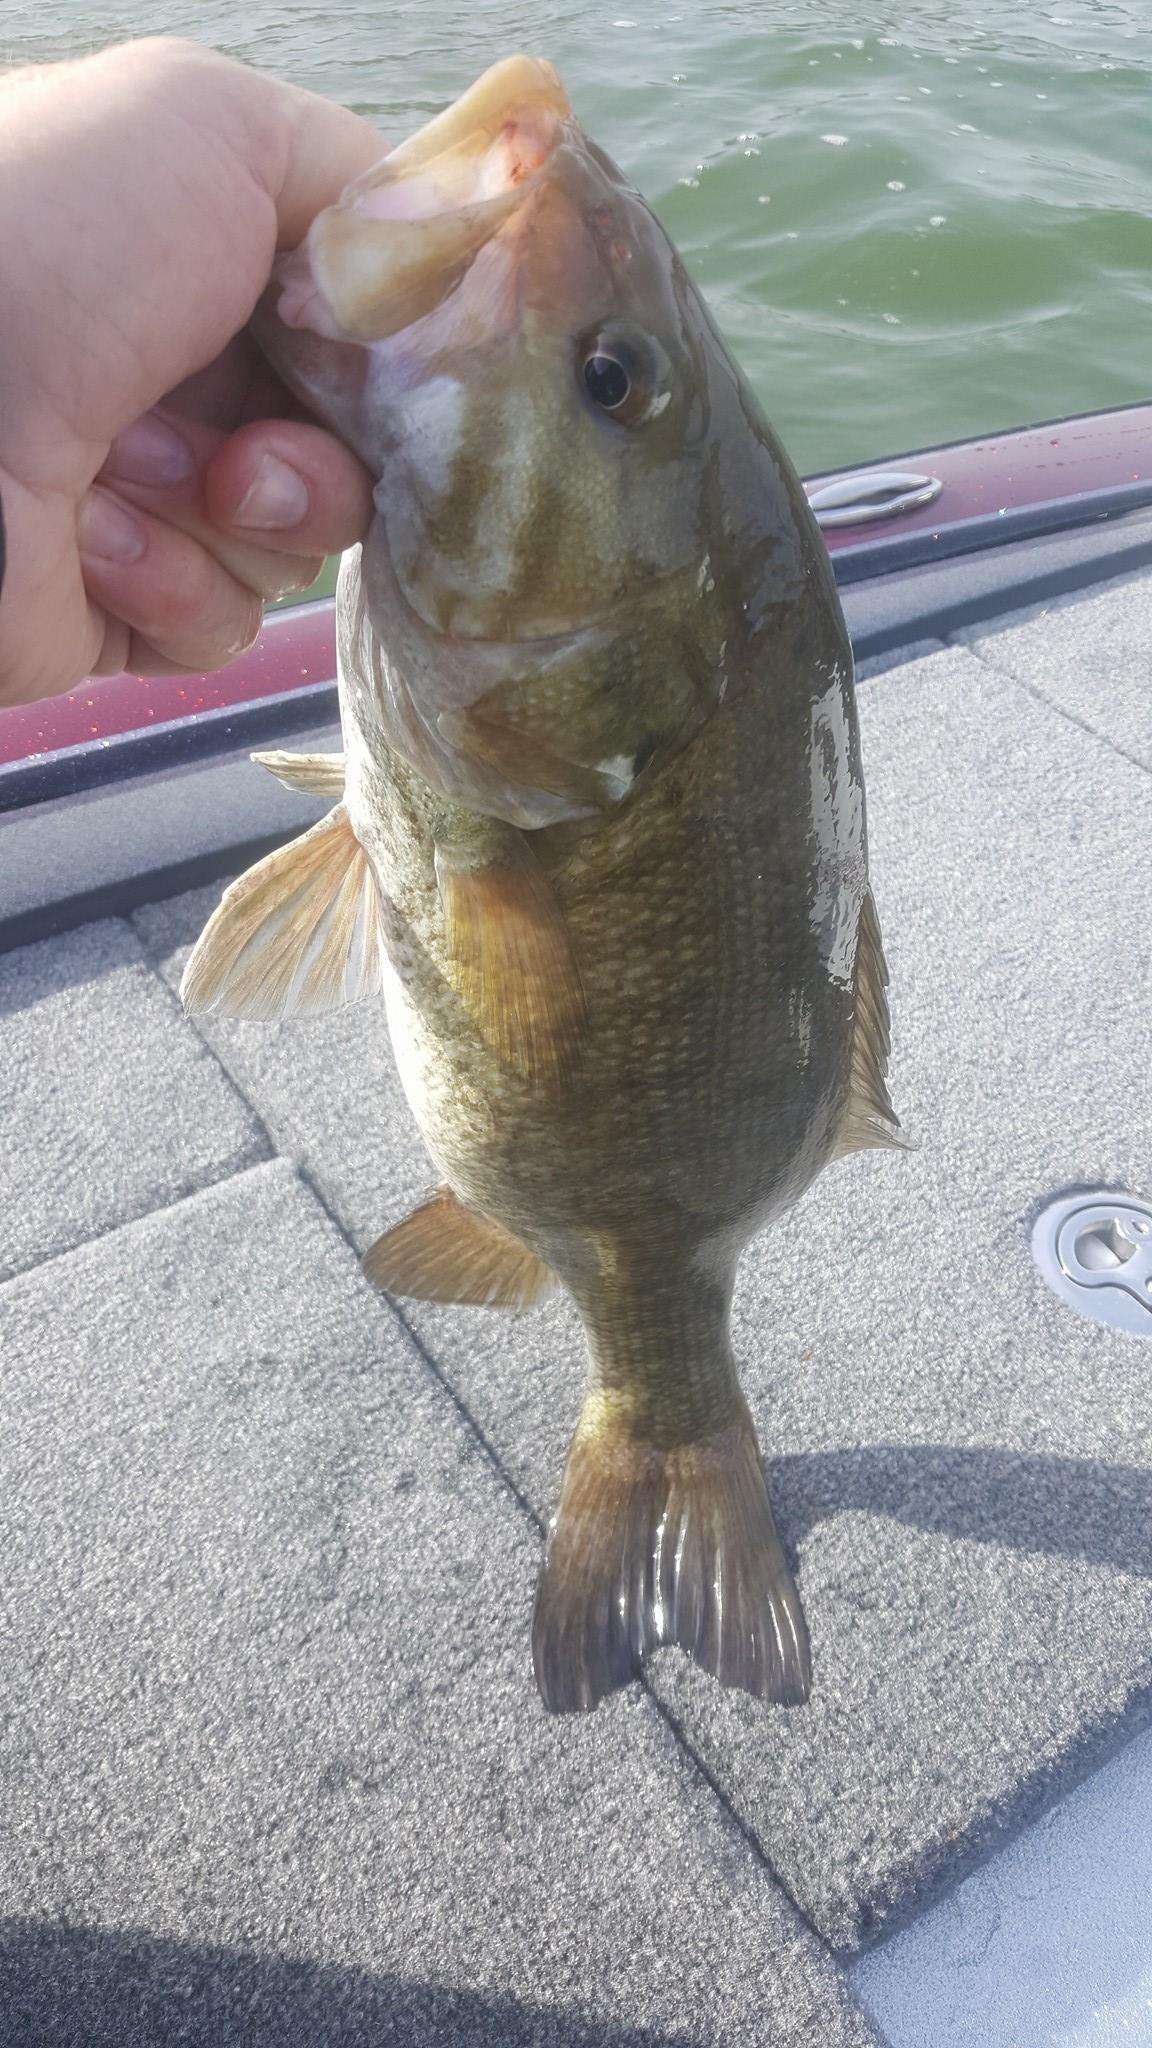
pixel 129 1222
pixel 1005 674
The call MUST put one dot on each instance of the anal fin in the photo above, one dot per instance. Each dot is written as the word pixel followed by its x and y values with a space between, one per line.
pixel 299 933
pixel 513 964
pixel 869 1120
pixel 445 1251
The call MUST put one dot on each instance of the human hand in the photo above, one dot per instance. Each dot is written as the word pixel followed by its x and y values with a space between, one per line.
pixel 157 481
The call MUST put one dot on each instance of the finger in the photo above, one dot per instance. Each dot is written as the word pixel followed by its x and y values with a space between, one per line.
pixel 163 584
pixel 114 641
pixel 291 484
pixel 268 573
pixel 49 632
pixel 220 393
pixel 238 387
pixel 131 654
pixel 124 652
pixel 160 464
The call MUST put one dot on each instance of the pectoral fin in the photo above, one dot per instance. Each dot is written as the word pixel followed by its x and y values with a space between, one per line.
pixel 315 774
pixel 447 1252
pixel 870 1121
pixel 298 933
pixel 513 964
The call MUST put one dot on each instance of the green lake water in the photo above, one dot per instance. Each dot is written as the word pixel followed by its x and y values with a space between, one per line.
pixel 912 226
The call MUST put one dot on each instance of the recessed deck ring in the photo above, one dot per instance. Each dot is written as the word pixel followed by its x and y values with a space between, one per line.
pixel 1095 1251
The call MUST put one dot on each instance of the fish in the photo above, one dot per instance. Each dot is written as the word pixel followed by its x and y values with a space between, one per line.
pixel 597 835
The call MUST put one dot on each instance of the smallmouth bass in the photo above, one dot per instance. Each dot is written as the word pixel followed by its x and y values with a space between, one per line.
pixel 598 833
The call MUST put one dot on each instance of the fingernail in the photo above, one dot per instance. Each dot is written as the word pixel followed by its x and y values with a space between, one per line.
pixel 107 530
pixel 276 498
pixel 149 452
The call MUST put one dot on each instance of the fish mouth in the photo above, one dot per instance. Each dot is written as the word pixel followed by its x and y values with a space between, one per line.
pixel 543 637
pixel 402 236
pixel 514 108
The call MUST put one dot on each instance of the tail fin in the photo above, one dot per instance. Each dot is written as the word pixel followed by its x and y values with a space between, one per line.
pixel 654 1547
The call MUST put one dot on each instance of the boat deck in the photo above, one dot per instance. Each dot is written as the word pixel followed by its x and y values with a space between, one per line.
pixel 275 1770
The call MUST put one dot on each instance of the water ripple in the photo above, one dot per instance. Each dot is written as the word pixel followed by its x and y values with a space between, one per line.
pixel 931 226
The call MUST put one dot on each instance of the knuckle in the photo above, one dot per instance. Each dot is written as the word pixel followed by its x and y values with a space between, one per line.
pixel 203 615
pixel 175 55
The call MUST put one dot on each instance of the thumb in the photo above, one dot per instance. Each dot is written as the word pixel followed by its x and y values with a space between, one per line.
pixel 323 147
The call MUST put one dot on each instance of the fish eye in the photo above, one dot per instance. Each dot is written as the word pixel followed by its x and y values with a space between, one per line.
pixel 619 371
pixel 607 381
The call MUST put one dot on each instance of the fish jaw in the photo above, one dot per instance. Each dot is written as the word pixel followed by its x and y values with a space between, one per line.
pixel 525 88
pixel 401 237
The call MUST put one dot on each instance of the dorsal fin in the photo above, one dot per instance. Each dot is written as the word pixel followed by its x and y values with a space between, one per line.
pixel 315 774
pixel 299 933
pixel 444 1251
pixel 869 1119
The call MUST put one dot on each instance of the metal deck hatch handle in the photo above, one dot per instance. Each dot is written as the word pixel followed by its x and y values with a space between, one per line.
pixel 1095 1251
pixel 880 494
